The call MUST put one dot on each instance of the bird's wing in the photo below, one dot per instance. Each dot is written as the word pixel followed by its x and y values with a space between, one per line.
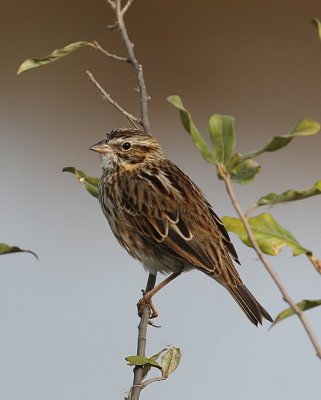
pixel 168 210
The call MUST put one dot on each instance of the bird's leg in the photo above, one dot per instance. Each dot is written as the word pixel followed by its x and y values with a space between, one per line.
pixel 147 298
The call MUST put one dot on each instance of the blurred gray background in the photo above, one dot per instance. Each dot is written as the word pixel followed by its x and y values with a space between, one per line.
pixel 69 319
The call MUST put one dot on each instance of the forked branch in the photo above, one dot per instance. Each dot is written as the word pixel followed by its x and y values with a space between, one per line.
pixel 120 11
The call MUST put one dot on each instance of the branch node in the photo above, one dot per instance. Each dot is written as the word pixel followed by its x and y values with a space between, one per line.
pixel 113 26
pixel 251 209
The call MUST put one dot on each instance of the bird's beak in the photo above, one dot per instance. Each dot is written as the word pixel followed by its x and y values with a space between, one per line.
pixel 101 147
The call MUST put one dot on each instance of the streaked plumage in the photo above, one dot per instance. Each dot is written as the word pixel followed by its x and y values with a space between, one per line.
pixel 162 218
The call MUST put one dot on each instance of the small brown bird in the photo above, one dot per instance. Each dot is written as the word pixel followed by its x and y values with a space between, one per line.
pixel 162 218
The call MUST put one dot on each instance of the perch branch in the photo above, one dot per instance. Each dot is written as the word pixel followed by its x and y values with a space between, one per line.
pixel 143 96
pixel 141 343
pixel 267 265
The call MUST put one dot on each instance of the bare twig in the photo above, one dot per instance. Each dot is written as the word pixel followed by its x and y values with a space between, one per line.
pixel 126 6
pixel 120 11
pixel 108 97
pixel 268 267
pixel 113 26
pixel 112 4
pixel 152 380
pixel 110 55
pixel 141 343
pixel 251 209
pixel 131 55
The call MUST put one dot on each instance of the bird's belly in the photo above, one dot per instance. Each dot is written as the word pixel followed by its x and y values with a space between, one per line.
pixel 147 253
pixel 163 265
pixel 153 259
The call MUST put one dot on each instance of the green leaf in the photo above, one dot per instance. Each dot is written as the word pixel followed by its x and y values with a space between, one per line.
pixel 290 195
pixel 317 23
pixel 147 368
pixel 170 361
pixel 137 360
pixel 305 127
pixel 269 234
pixel 6 249
pixel 54 56
pixel 222 134
pixel 242 172
pixel 191 128
pixel 303 306
pixel 90 182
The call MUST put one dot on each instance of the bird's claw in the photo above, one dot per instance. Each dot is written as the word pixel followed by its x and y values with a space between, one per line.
pixel 152 323
pixel 141 305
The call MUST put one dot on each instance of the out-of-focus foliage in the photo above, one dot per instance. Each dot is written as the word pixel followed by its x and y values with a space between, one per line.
pixel 56 55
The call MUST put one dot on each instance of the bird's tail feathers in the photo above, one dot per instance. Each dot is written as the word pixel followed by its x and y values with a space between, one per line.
pixel 252 308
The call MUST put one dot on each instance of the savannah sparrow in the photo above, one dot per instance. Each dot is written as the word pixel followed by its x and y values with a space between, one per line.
pixel 162 218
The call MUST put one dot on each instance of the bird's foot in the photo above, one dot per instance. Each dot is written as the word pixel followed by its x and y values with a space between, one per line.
pixel 146 300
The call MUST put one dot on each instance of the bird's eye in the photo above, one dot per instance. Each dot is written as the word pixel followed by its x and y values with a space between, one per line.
pixel 126 146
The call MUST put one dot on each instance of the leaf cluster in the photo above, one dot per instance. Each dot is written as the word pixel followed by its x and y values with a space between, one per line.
pixel 270 236
pixel 242 168
pixel 169 361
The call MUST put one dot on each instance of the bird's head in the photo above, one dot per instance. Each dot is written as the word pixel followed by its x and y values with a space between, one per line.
pixel 127 149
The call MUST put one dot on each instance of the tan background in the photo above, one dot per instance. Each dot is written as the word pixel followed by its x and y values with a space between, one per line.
pixel 68 321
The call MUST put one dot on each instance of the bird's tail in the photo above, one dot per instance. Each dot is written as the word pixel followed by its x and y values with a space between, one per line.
pixel 252 308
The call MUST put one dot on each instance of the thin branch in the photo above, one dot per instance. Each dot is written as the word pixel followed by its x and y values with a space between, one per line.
pixel 268 267
pixel 110 55
pixel 152 380
pixel 126 6
pixel 141 343
pixel 108 97
pixel 112 4
pixel 143 96
pixel 251 209
pixel 113 26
